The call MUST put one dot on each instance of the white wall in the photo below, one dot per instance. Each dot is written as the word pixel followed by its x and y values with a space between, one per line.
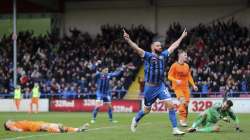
pixel 89 16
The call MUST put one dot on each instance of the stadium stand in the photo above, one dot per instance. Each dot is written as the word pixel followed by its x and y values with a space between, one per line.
pixel 64 67
pixel 219 57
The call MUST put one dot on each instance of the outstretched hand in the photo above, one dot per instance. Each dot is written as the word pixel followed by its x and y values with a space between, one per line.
pixel 125 35
pixel 184 33
pixel 133 45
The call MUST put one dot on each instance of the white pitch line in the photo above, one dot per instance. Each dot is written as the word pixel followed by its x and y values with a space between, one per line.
pixel 30 136
pixel 50 134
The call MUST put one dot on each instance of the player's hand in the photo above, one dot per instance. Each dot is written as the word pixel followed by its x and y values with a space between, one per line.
pixel 237 129
pixel 190 130
pixel 125 35
pixel 195 88
pixel 178 82
pixel 184 33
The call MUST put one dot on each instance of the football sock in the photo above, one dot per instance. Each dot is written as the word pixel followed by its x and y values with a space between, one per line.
pixel 172 117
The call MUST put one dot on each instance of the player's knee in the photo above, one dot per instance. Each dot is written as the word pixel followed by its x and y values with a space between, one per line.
pixel 109 106
pixel 171 108
pixel 147 110
pixel 169 105
pixel 216 128
pixel 98 103
pixel 96 108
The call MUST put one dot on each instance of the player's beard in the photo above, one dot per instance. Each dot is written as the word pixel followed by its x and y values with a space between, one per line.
pixel 157 52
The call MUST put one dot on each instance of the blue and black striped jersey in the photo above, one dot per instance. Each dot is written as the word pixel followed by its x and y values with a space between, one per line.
pixel 154 67
pixel 103 81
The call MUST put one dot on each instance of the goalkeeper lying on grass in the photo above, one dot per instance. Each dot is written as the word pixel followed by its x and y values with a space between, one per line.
pixel 208 120
pixel 40 126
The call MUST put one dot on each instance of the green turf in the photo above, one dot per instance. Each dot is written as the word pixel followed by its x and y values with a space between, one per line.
pixel 152 127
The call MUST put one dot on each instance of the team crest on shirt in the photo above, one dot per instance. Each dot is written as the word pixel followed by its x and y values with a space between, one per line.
pixel 154 60
pixel 104 77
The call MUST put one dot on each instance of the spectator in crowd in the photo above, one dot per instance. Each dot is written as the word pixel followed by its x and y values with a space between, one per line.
pixel 59 63
pixel 221 53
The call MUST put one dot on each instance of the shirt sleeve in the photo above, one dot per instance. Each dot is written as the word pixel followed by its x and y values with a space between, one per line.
pixel 147 55
pixel 115 74
pixel 190 78
pixel 165 54
pixel 171 73
pixel 97 74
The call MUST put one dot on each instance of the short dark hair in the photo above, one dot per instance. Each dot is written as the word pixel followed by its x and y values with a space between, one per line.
pixel 158 39
pixel 229 103
pixel 104 67
pixel 6 127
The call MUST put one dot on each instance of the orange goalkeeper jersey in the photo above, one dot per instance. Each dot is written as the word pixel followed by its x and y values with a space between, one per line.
pixel 32 126
pixel 180 72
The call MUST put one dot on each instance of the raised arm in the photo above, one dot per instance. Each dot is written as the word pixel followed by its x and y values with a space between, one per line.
pixel 97 74
pixel 117 72
pixel 132 44
pixel 177 42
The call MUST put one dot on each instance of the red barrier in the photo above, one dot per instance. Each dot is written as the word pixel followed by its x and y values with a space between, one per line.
pixel 159 106
pixel 199 106
pixel 195 105
pixel 88 105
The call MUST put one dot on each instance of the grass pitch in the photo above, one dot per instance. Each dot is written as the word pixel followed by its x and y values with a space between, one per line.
pixel 152 127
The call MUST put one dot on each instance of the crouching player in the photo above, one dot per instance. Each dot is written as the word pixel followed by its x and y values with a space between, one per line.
pixel 208 120
pixel 40 126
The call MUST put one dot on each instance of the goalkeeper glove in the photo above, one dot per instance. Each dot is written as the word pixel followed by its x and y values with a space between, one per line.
pixel 237 129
